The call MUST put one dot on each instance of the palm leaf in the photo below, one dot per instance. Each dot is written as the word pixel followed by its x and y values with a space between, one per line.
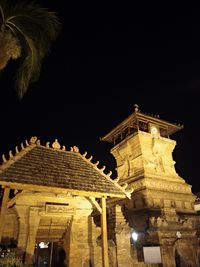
pixel 29 70
pixel 35 28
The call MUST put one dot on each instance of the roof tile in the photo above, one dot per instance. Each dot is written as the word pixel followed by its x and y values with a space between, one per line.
pixel 57 168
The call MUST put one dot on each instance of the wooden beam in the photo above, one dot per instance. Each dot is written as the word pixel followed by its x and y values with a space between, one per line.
pixel 59 190
pixel 3 209
pixel 104 236
pixel 96 204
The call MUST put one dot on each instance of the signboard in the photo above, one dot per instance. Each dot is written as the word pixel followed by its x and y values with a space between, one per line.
pixel 152 255
pixel 56 208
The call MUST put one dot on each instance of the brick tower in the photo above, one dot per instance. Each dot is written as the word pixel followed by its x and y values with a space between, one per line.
pixel 162 203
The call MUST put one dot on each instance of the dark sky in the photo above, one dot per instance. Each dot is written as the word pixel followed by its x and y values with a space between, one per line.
pixel 98 69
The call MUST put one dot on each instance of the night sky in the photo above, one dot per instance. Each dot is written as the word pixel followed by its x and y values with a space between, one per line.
pixel 98 68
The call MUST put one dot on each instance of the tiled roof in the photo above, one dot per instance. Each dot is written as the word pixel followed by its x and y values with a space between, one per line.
pixel 55 167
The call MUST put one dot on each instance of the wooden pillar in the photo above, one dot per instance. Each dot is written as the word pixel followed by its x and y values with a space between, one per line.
pixel 104 234
pixel 3 210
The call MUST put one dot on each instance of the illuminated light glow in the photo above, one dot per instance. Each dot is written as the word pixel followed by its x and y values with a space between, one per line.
pixel 134 236
pixel 178 234
pixel 154 130
pixel 43 244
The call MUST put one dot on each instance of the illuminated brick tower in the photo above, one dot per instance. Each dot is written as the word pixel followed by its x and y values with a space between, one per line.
pixel 162 204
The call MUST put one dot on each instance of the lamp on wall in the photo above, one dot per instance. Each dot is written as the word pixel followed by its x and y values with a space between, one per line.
pixel 178 234
pixel 134 236
pixel 43 244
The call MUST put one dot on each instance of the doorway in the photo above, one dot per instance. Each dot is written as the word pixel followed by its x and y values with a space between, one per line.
pixel 49 254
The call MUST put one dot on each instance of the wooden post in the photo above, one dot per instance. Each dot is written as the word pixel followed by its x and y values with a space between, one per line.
pixel 51 255
pixel 104 234
pixel 3 209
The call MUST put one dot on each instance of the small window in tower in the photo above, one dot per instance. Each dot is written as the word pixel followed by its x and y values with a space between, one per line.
pixel 118 139
pixel 163 132
pixel 143 126
pixel 125 133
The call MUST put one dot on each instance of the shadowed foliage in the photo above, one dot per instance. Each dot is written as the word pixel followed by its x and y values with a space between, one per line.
pixel 26 33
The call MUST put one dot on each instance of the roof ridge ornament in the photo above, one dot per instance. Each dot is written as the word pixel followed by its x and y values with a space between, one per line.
pixel 103 168
pixel 14 156
pixel 90 158
pixel 74 149
pixel 38 142
pixel 127 191
pixel 33 140
pixel 4 158
pixel 109 173
pixel 56 144
pixel 116 180
pixel 22 146
pixel 85 154
pixel 136 107
pixel 96 164
pixel 124 186
pixel 11 154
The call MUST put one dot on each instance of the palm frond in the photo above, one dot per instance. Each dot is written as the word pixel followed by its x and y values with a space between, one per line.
pixel 35 28
pixel 29 69
pixel 1 13
pixel 37 23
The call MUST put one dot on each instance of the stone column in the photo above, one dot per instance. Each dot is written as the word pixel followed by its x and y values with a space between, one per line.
pixel 34 220
pixel 81 241
pixel 167 255
pixel 122 235
pixel 95 248
pixel 23 227
pixel 186 252
pixel 78 240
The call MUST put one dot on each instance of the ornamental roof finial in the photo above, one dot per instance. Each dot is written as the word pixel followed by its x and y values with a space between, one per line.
pixel 136 107
pixel 56 144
